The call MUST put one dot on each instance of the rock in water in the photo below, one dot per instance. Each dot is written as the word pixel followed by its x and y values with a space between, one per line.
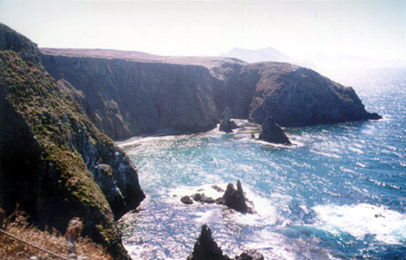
pixel 226 125
pixel 206 248
pixel 186 200
pixel 201 197
pixel 235 198
pixel 272 132
pixel 250 254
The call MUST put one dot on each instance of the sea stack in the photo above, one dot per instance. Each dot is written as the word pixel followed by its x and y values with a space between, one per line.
pixel 226 125
pixel 206 248
pixel 235 198
pixel 272 132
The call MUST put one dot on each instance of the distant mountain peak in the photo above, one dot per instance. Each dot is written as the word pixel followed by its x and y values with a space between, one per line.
pixel 264 54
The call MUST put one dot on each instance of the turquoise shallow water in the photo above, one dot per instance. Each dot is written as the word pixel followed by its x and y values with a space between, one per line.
pixel 339 193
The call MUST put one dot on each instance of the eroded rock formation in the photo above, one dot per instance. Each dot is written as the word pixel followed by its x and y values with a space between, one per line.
pixel 226 125
pixel 235 198
pixel 272 132
pixel 232 198
pixel 206 248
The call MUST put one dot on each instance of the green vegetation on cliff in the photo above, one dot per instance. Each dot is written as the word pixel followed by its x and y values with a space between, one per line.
pixel 53 161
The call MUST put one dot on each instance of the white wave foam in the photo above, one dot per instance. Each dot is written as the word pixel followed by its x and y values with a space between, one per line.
pixel 388 226
pixel 271 244
pixel 265 211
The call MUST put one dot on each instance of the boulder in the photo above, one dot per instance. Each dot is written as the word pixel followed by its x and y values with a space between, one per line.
pixel 186 200
pixel 217 188
pixel 272 132
pixel 226 125
pixel 201 197
pixel 250 254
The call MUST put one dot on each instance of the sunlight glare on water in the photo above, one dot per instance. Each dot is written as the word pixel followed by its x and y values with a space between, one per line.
pixel 338 193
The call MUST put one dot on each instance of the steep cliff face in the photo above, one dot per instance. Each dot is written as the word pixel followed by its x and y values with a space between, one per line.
pixel 53 161
pixel 296 96
pixel 292 95
pixel 131 95
pixel 125 98
pixel 11 40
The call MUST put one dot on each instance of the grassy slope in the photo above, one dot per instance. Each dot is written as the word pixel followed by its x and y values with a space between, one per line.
pixel 60 180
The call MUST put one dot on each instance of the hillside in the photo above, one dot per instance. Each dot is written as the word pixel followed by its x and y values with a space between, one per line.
pixel 54 162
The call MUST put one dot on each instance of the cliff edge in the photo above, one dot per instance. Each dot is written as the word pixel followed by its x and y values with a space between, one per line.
pixel 54 162
pixel 130 93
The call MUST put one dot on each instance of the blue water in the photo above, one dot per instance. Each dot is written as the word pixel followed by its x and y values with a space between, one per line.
pixel 339 193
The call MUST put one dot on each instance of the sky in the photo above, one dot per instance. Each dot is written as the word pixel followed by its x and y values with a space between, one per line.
pixel 300 28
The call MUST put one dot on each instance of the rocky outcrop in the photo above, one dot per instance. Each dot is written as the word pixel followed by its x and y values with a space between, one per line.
pixel 54 162
pixel 226 125
pixel 11 40
pixel 295 96
pixel 186 200
pixel 206 248
pixel 272 132
pixel 292 95
pixel 232 198
pixel 125 98
pixel 235 199
pixel 250 254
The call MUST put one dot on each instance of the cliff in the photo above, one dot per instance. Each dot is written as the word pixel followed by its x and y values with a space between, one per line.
pixel 54 162
pixel 295 96
pixel 292 95
pixel 124 98
pixel 137 93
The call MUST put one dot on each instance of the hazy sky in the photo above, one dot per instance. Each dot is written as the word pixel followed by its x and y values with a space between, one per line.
pixel 374 29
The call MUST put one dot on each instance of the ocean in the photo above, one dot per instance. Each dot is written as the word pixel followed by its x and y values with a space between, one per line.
pixel 338 193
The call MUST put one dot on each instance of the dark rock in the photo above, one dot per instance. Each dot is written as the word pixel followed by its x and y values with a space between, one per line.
pixel 219 201
pixel 186 200
pixel 250 254
pixel 235 199
pixel 206 248
pixel 295 96
pixel 272 132
pixel 374 116
pixel 201 197
pixel 292 95
pixel 217 188
pixel 226 125
pixel 11 40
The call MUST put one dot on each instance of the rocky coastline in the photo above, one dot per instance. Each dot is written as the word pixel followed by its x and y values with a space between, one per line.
pixel 60 111
pixel 232 198
pixel 126 96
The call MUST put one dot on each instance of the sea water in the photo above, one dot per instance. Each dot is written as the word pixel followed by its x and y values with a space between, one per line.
pixel 338 193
